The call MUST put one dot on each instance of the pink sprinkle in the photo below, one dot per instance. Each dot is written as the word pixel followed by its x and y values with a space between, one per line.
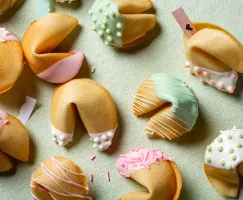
pixel 234 75
pixel 231 90
pixel 186 66
pixel 92 157
pixel 206 74
pixel 211 82
pixel 6 121
pixel 108 176
pixel 221 85
pixel 202 81
pixel 196 69
pixel 91 177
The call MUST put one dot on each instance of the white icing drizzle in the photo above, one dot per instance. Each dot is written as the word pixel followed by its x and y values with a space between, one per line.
pixel 224 81
pixel 226 151
pixel 102 141
pixel 60 137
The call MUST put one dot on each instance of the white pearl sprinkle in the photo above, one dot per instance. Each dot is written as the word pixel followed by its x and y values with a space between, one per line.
pixel 109 38
pixel 100 9
pixel 107 43
pixel 231 150
pixel 96 140
pixel 209 148
pixel 228 166
pixel 103 26
pixel 113 14
pixel 61 137
pixel 119 34
pixel 105 22
pixel 95 145
pixel 94 20
pixel 60 144
pixel 238 145
pixel 110 134
pixel 108 31
pixel 220 139
pixel 101 147
pixel 108 143
pixel 118 25
pixel 220 148
pixel 208 159
pixel 239 135
pixel 234 157
pixel 93 28
pixel 90 12
pixel 222 162
pixel 106 15
pixel 229 137
pixel 108 4
pixel 54 139
pixel 104 137
pixel 101 33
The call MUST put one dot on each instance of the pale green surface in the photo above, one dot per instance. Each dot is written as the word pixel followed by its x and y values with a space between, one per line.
pixel 121 73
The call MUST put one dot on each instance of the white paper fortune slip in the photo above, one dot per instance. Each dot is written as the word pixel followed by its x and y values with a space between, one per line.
pixel 184 22
pixel 26 110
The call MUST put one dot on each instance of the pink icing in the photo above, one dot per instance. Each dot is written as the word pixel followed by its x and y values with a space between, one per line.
pixel 5 35
pixel 138 159
pixel 53 177
pixel 64 69
pixel 3 119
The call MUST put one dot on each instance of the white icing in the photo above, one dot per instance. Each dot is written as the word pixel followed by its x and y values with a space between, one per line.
pixel 60 137
pixel 224 81
pixel 226 151
pixel 102 141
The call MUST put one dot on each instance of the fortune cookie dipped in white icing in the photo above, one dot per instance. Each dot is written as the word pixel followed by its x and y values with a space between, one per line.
pixel 96 109
pixel 122 23
pixel 38 46
pixel 224 162
pixel 59 178
pixel 154 170
pixel 6 4
pixel 14 141
pixel 11 59
pixel 215 56
pixel 179 106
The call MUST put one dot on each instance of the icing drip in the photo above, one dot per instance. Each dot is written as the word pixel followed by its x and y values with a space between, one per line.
pixel 102 141
pixel 5 35
pixel 56 178
pixel 60 137
pixel 226 151
pixel 107 22
pixel 224 81
pixel 3 119
pixel 4 4
pixel 184 103
pixel 138 159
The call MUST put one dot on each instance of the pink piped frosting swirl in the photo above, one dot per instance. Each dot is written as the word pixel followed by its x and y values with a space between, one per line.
pixel 138 159
pixel 3 119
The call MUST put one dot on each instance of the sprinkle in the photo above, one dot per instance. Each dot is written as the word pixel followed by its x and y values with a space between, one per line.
pixel 202 81
pixel 238 145
pixel 101 33
pixel 113 14
pixel 106 15
pixel 211 82
pixel 205 74
pixel 239 135
pixel 108 176
pixel 105 22
pixel 221 85
pixel 220 148
pixel 107 43
pixel 235 75
pixel 118 25
pixel 91 178
pixel 92 157
pixel 234 158
pixel 220 139
pixel 100 9
pixel 228 166
pixel 6 121
pixel 186 66
pixel 93 28
pixel 208 159
pixel 229 137
pixel 231 90
pixel 222 162
pixel 196 69
pixel 119 34
pixel 94 20
pixel 109 38
pixel 209 148
pixel 108 31
pixel 104 137
pixel 90 12
pixel 108 4
pixel 231 151
pixel 103 26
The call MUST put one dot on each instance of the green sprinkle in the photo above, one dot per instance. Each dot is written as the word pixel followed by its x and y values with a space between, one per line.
pixel 234 157
pixel 238 145
pixel 220 139
pixel 209 148
pixel 231 151
pixel 220 149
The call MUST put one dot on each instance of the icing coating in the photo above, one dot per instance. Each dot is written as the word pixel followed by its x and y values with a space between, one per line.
pixel 226 151
pixel 138 159
pixel 6 35
pixel 102 141
pixel 107 22
pixel 60 137
pixel 184 102
pixel 224 81
pixel 3 119
pixel 64 69
pixel 55 178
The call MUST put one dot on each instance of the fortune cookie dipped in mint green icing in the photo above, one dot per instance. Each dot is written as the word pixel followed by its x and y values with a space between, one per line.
pixel 122 23
pixel 178 106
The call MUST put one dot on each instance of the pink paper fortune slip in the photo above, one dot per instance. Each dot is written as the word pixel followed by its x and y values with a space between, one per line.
pixel 184 22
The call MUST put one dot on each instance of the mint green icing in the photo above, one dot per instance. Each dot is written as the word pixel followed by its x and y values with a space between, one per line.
pixel 44 7
pixel 177 92
pixel 107 22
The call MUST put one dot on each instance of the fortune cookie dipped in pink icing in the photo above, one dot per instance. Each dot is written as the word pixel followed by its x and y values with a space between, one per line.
pixel 122 23
pixel 59 178
pixel 154 170
pixel 11 59
pixel 96 109
pixel 14 141
pixel 39 41
pixel 215 56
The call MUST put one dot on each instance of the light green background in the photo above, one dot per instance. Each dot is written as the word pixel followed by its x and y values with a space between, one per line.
pixel 121 72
